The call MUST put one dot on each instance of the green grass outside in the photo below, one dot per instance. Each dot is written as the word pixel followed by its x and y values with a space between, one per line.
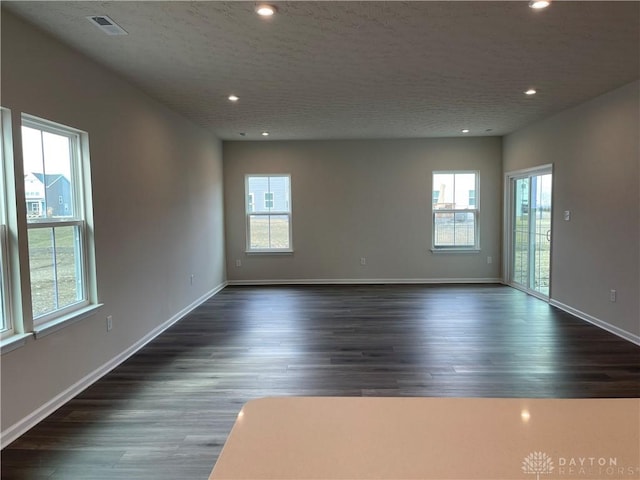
pixel 455 234
pixel 269 232
pixel 51 270
pixel 542 252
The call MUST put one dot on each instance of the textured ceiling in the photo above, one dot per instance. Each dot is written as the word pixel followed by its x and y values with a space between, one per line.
pixel 358 69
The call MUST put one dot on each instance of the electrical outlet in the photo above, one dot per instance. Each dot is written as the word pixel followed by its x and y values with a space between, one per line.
pixel 363 261
pixel 613 295
pixel 238 263
pixel 109 323
pixel 567 215
pixel 489 259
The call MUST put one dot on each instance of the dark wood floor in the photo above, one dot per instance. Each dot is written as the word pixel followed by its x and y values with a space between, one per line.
pixel 166 412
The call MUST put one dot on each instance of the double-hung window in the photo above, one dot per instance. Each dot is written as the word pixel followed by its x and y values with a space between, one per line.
pixel 6 324
pixel 455 210
pixel 268 213
pixel 57 196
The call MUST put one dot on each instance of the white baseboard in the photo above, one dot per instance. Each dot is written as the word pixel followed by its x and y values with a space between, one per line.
pixel 597 322
pixel 363 281
pixel 28 422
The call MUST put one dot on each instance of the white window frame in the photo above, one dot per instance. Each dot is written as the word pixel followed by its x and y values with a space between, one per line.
pixel 6 154
pixel 249 214
pixel 7 329
pixel 453 211
pixel 81 201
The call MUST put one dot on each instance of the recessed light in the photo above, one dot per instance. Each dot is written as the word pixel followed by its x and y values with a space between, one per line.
pixel 265 134
pixel 465 130
pixel 531 91
pixel 233 98
pixel 539 4
pixel 265 10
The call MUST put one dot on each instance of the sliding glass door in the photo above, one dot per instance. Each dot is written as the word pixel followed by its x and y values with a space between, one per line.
pixel 530 230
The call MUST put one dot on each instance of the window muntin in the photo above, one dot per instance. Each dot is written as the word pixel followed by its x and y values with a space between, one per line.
pixel 269 222
pixel 455 210
pixel 56 225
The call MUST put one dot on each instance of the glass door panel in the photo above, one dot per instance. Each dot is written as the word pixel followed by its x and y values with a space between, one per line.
pixel 531 232
pixel 540 248
pixel 521 232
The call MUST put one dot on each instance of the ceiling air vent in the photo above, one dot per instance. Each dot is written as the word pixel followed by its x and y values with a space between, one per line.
pixel 107 25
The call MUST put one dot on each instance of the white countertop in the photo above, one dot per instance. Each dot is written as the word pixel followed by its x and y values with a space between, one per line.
pixel 432 438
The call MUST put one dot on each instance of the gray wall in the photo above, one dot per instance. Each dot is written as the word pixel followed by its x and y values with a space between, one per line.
pixel 368 198
pixel 158 208
pixel 157 192
pixel 595 152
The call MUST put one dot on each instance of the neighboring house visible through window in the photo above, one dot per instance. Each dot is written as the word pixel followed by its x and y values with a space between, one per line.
pixel 268 225
pixel 57 193
pixel 41 189
pixel 268 200
pixel 455 210
pixel 472 198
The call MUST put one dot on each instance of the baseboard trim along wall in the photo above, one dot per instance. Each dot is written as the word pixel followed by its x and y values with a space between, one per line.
pixel 363 281
pixel 31 420
pixel 597 322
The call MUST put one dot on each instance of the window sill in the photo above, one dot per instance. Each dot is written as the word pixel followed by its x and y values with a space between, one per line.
pixel 269 252
pixel 65 320
pixel 14 342
pixel 455 250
